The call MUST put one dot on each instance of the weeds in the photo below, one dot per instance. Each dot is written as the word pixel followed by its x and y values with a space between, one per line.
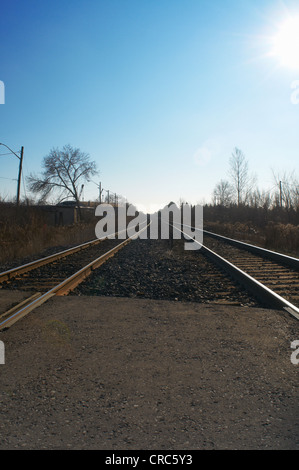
pixel 283 238
pixel 24 232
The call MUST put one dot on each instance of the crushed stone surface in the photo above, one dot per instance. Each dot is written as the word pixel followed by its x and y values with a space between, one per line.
pixel 121 373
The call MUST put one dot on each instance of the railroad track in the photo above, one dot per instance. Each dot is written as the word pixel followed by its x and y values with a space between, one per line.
pixel 272 277
pixel 281 278
pixel 57 274
pixel 249 265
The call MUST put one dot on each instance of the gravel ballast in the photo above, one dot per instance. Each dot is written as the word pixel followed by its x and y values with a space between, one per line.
pixel 151 269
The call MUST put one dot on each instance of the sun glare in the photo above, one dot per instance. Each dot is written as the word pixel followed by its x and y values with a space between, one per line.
pixel 286 43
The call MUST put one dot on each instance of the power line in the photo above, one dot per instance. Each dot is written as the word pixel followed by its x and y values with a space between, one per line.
pixel 17 152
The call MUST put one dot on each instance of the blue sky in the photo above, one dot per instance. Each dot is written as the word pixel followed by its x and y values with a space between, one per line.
pixel 157 92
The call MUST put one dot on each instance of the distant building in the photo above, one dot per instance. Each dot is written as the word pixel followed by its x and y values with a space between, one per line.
pixel 67 213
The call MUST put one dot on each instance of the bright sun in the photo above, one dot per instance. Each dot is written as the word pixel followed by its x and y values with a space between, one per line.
pixel 286 43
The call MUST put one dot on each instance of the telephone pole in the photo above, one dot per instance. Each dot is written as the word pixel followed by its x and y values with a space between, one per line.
pixel 20 170
pixel 19 177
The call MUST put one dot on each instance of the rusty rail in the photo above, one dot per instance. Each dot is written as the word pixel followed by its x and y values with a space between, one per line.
pixel 18 312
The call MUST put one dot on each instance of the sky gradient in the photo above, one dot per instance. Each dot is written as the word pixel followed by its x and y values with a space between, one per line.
pixel 157 92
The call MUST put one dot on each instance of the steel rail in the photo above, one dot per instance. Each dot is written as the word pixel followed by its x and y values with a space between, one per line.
pixel 11 273
pixel 63 288
pixel 289 261
pixel 259 290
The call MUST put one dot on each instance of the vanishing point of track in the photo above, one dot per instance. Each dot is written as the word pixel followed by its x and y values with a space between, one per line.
pixel 271 277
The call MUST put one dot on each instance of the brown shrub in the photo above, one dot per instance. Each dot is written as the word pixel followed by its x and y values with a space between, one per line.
pixel 282 237
pixel 277 237
pixel 24 233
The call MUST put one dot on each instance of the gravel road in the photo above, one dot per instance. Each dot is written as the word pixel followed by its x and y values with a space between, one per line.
pixel 120 373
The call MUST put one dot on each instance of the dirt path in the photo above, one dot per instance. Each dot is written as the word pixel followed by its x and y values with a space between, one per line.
pixel 119 373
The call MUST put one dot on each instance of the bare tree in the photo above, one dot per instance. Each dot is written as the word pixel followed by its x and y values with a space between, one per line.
pixel 223 193
pixel 239 173
pixel 64 172
pixel 260 198
pixel 287 194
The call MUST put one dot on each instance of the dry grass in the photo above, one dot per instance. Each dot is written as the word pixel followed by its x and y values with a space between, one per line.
pixel 277 237
pixel 283 237
pixel 24 233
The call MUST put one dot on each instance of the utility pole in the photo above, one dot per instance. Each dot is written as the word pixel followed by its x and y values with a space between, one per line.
pixel 20 169
pixel 280 193
pixel 19 177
